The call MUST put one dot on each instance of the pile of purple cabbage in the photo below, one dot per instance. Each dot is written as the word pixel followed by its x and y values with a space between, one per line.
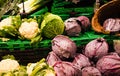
pixel 74 26
pixel 94 60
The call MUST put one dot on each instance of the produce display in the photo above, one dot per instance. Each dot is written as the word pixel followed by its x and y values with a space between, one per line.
pixel 9 67
pixel 13 27
pixel 75 48
pixel 33 29
pixel 67 61
pixel 100 61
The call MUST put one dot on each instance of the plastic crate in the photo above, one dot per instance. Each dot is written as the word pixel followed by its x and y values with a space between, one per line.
pixel 66 16
pixel 40 11
pixel 25 53
pixel 86 37
pixel 20 45
pixel 65 13
pixel 27 56
pixel 82 3
pixel 67 9
pixel 63 3
pixel 23 45
pixel 63 10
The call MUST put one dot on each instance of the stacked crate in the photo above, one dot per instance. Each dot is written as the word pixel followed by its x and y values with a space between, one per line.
pixel 22 49
pixel 67 9
pixel 25 53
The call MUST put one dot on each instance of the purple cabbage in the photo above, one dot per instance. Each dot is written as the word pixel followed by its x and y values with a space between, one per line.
pixel 112 25
pixel 66 69
pixel 116 45
pixel 72 27
pixel 85 22
pixel 52 58
pixel 64 47
pixel 96 48
pixel 91 71
pixel 109 65
pixel 81 61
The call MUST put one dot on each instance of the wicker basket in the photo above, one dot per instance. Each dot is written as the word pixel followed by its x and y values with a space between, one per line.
pixel 108 10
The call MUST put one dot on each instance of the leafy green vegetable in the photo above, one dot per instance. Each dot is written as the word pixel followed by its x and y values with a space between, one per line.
pixel 32 5
pixel 9 27
pixel 8 57
pixel 7 74
pixel 52 25
pixel 7 65
pixel 30 30
pixel 42 69
pixel 8 7
pixel 35 40
pixel 21 71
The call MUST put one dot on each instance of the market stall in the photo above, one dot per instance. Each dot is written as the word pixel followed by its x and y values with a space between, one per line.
pixel 60 38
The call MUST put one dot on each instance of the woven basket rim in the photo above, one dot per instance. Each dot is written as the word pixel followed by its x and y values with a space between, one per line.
pixel 95 21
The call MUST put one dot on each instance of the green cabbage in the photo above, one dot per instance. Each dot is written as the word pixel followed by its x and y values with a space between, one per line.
pixel 52 25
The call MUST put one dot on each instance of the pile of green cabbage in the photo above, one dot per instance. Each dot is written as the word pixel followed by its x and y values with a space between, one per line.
pixel 47 25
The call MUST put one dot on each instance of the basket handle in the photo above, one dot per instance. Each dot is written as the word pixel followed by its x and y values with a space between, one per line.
pixel 97 5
